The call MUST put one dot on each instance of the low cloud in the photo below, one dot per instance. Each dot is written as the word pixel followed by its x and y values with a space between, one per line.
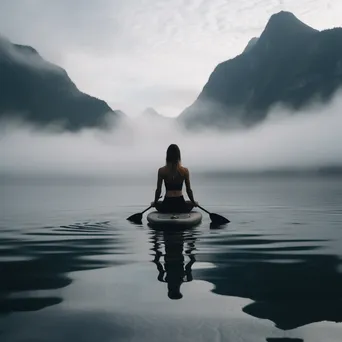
pixel 310 139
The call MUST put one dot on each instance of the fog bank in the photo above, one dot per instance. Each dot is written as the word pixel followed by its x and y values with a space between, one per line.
pixel 310 139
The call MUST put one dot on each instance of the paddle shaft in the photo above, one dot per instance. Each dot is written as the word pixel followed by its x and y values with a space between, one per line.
pixel 146 209
pixel 204 209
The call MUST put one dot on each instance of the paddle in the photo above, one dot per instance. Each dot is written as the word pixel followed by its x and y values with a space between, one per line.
pixel 136 218
pixel 215 218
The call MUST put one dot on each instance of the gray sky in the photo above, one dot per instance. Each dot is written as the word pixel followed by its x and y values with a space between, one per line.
pixel 140 53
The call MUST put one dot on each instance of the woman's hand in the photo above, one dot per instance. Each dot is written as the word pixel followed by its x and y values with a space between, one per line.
pixel 195 204
pixel 154 203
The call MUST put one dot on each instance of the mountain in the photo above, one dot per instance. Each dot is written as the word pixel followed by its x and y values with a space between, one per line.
pixel 151 114
pixel 251 44
pixel 291 63
pixel 42 93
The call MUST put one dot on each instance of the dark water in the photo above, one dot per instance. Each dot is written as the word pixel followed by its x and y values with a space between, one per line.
pixel 72 268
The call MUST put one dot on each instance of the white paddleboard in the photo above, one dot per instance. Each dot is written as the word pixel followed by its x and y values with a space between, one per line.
pixel 185 219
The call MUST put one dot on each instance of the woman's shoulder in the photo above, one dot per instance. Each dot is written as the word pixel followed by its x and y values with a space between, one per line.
pixel 184 170
pixel 162 169
pixel 165 170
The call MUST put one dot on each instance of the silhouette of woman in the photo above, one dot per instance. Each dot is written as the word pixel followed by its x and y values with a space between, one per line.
pixel 173 272
pixel 173 174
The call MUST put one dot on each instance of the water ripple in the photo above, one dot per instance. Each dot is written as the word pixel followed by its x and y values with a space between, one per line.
pixel 43 258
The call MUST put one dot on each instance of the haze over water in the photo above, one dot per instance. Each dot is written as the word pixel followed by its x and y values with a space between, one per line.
pixel 307 140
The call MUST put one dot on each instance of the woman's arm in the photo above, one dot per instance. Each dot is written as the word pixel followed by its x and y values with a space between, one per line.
pixel 188 186
pixel 188 271
pixel 159 266
pixel 159 186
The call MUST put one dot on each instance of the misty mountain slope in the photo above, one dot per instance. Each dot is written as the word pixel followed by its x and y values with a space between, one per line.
pixel 152 115
pixel 42 93
pixel 291 63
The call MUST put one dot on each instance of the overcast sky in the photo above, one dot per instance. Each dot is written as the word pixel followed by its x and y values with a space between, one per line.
pixel 140 53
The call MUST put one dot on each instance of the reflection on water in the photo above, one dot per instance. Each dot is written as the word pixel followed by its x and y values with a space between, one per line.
pixel 290 283
pixel 43 259
pixel 178 257
pixel 284 340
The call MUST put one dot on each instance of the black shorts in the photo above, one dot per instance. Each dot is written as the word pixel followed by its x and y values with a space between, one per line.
pixel 174 205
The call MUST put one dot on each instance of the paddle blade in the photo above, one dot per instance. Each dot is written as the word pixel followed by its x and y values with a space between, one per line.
pixel 136 218
pixel 218 219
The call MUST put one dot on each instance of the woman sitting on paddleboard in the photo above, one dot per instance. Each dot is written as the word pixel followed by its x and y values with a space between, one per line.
pixel 174 174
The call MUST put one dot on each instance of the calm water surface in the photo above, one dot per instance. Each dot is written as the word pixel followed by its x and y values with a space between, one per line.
pixel 72 268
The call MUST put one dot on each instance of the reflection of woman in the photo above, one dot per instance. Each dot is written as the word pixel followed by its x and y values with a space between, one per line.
pixel 174 273
pixel 174 174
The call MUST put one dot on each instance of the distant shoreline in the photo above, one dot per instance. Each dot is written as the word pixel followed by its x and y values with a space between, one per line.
pixel 320 171
pixel 130 179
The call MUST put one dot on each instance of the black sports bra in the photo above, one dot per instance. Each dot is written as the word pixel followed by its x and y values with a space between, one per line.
pixel 173 186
